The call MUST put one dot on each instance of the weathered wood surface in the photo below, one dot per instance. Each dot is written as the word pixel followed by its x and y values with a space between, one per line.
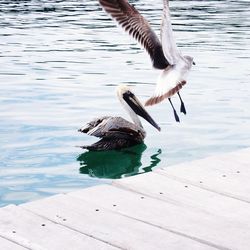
pixel 197 205
pixel 180 215
pixel 37 232
pixel 9 245
pixel 95 220
pixel 227 174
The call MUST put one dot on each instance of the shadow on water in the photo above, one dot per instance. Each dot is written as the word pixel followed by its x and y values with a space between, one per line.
pixel 116 164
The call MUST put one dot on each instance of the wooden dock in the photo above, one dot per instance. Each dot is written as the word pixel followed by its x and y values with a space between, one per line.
pixel 203 204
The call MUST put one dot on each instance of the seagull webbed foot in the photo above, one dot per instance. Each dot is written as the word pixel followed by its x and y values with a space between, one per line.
pixel 182 109
pixel 177 119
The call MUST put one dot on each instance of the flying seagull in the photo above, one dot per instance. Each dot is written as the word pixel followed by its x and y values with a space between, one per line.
pixel 163 52
pixel 116 132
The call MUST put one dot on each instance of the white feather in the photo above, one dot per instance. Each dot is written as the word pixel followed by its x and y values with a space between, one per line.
pixel 169 46
pixel 171 77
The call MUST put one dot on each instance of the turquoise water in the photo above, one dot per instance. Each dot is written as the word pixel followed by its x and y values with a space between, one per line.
pixel 60 64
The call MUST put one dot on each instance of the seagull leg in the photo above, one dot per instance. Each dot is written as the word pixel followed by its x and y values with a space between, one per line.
pixel 175 113
pixel 183 109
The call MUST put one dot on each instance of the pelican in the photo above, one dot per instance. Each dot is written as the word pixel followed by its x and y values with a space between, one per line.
pixel 116 132
pixel 164 53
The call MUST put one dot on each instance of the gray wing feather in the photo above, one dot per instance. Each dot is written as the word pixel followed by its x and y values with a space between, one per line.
pixel 92 124
pixel 169 46
pixel 113 127
pixel 138 27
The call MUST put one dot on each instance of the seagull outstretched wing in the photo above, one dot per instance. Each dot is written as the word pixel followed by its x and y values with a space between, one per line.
pixel 169 46
pixel 138 27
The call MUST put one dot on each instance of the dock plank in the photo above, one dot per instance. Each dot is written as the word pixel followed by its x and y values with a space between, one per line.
pixel 34 232
pixel 9 245
pixel 151 203
pixel 184 194
pixel 109 226
pixel 227 174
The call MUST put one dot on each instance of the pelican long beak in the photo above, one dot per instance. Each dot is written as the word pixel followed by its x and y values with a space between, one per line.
pixel 138 108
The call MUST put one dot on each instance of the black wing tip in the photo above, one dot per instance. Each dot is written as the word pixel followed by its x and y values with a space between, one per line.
pixel 82 130
pixel 158 58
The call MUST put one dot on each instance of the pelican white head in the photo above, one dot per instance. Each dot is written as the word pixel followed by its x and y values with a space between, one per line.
pixel 134 106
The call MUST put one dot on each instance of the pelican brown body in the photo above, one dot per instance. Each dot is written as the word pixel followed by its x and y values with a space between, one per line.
pixel 116 132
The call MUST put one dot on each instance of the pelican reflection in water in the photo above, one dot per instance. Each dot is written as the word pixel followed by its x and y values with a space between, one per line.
pixel 163 52
pixel 115 164
pixel 116 132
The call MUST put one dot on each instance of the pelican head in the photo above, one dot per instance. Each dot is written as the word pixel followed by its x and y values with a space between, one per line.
pixel 134 106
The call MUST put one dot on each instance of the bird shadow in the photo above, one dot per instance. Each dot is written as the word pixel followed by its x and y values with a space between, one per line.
pixel 116 164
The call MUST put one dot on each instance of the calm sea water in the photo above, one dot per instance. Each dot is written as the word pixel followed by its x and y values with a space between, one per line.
pixel 60 62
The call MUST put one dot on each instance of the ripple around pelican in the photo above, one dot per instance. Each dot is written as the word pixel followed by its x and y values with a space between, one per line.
pixel 116 164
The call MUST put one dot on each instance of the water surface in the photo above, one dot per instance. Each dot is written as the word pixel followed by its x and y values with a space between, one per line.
pixel 60 64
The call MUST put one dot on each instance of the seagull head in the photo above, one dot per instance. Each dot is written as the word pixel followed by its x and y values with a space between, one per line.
pixel 190 60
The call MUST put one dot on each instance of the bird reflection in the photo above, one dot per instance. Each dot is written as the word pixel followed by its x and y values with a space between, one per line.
pixel 116 164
